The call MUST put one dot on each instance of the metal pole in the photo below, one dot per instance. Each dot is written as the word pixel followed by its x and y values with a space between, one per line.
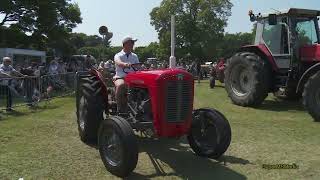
pixel 172 60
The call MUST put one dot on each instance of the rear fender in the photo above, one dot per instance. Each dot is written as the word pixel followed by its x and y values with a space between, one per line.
pixel 306 75
pixel 263 52
pixel 100 78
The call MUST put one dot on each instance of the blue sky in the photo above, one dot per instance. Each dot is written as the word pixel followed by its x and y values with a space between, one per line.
pixel 131 17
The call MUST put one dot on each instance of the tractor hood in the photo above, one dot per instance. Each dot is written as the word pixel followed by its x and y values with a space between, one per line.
pixel 310 53
pixel 152 77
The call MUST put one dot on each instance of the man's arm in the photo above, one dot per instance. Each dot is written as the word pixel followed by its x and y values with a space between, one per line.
pixel 4 75
pixel 18 73
pixel 118 62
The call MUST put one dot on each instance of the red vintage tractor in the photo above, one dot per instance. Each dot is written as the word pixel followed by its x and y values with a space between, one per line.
pixel 160 104
pixel 285 56
pixel 217 72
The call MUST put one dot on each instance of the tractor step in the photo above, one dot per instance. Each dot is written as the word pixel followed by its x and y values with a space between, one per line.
pixel 281 78
pixel 142 125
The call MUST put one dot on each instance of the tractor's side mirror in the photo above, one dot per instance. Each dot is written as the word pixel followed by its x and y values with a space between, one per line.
pixel 272 19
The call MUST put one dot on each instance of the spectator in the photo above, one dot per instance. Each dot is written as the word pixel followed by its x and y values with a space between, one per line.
pixel 7 71
pixel 62 69
pixel 53 67
pixel 198 67
pixel 90 62
pixel 31 84
pixel 101 65
pixel 109 65
pixel 72 66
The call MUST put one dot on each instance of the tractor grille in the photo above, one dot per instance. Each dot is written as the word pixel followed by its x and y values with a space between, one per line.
pixel 178 102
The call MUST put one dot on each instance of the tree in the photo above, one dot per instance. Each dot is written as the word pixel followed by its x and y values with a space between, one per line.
pixel 49 22
pixel 232 42
pixel 146 52
pixel 94 51
pixel 79 40
pixel 13 11
pixel 100 52
pixel 199 25
pixel 14 38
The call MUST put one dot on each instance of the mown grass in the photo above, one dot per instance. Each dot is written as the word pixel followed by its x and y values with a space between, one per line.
pixel 43 144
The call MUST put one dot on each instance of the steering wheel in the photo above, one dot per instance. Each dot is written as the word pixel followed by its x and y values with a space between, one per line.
pixel 135 67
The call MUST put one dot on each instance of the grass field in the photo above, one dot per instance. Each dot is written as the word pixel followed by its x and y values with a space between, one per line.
pixel 43 144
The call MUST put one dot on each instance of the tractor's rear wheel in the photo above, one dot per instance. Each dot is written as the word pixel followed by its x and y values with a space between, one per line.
pixel 292 95
pixel 247 79
pixel 118 146
pixel 90 109
pixel 311 96
pixel 210 134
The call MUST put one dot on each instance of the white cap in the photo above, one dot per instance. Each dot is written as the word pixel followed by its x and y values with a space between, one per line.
pixel 128 38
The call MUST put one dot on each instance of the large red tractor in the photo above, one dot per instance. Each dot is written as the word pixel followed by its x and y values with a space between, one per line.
pixel 160 104
pixel 285 56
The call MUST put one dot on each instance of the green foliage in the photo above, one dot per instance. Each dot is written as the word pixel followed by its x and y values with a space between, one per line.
pixel 49 22
pixel 90 51
pixel 199 25
pixel 232 42
pixel 149 51
pixel 13 37
pixel 99 52
pixel 80 40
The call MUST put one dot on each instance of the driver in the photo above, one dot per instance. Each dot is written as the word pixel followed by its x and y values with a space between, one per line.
pixel 123 60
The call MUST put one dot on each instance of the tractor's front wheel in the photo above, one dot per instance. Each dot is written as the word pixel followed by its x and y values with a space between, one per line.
pixel 247 79
pixel 311 96
pixel 118 146
pixel 210 134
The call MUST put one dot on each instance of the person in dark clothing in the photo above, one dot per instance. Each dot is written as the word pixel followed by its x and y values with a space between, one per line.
pixel 198 67
pixel 30 83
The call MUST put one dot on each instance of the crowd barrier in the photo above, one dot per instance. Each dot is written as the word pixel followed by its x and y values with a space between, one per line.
pixel 30 90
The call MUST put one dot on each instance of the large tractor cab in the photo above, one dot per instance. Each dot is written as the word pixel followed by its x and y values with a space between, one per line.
pixel 160 104
pixel 284 59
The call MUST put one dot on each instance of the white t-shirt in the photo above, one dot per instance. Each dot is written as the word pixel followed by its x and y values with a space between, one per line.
pixel 126 58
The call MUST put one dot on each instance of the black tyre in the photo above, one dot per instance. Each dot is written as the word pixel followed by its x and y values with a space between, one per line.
pixel 247 79
pixel 311 96
pixel 118 146
pixel 292 95
pixel 90 109
pixel 212 82
pixel 210 134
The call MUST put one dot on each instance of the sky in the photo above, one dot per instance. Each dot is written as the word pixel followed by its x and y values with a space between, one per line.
pixel 131 17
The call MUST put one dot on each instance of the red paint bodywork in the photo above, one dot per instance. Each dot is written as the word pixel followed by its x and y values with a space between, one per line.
pixel 101 79
pixel 155 81
pixel 264 50
pixel 221 65
pixel 310 53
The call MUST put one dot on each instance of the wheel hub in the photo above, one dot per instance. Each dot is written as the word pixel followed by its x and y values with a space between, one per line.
pixel 240 80
pixel 83 112
pixel 112 148
pixel 205 135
